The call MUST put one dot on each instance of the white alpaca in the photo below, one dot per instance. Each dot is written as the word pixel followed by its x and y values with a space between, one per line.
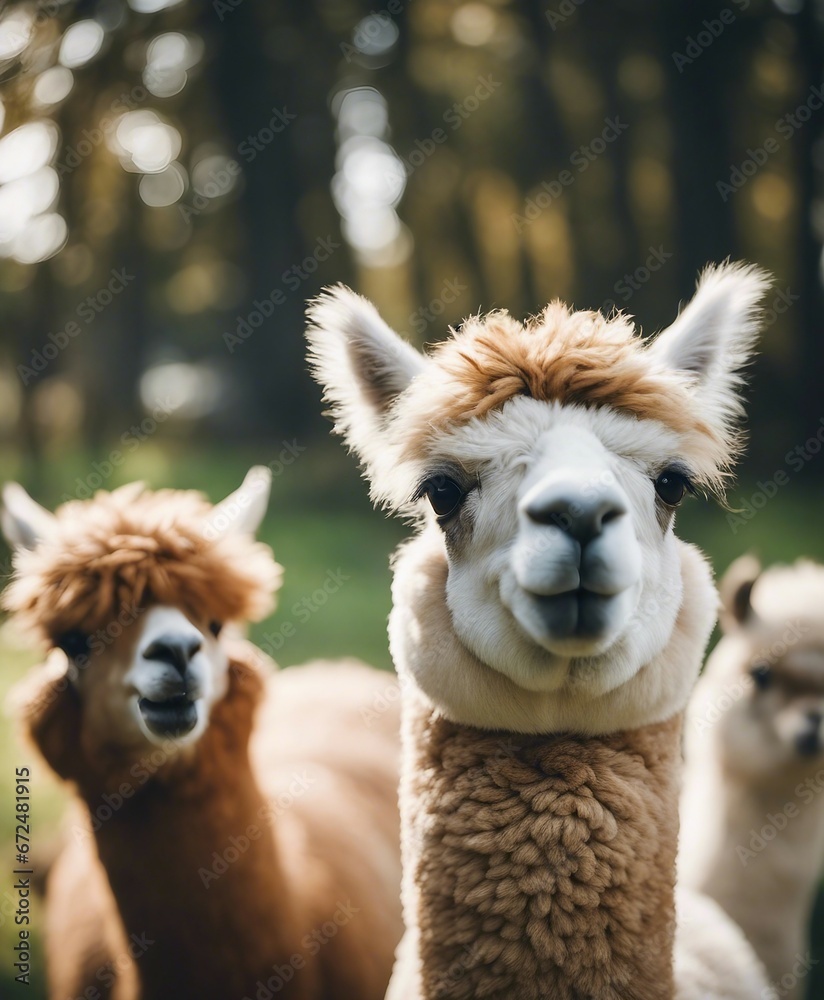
pixel 753 801
pixel 549 627
pixel 239 830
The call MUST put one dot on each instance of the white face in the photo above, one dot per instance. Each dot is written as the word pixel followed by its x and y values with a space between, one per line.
pixel 563 573
pixel 563 565
pixel 178 673
pixel 156 682
pixel 774 725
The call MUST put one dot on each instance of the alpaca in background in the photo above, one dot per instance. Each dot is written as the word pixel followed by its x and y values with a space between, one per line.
pixel 753 800
pixel 238 833
pixel 549 628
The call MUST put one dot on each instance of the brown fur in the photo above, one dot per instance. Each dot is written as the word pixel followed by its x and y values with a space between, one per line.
pixel 84 944
pixel 133 547
pixel 310 852
pixel 561 356
pixel 542 866
pixel 217 942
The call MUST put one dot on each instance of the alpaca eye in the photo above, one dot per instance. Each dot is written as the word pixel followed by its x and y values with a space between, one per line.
pixel 671 487
pixel 215 627
pixel 445 495
pixel 761 674
pixel 73 644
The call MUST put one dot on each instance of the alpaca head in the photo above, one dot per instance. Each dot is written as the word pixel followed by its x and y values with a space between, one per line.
pixel 770 661
pixel 545 461
pixel 135 588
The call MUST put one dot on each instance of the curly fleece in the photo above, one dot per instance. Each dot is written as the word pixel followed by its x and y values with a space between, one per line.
pixel 541 867
pixel 564 355
pixel 131 548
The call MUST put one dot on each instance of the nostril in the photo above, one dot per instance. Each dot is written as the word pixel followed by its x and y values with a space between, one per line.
pixel 808 743
pixel 611 515
pixel 177 651
pixel 557 514
pixel 578 515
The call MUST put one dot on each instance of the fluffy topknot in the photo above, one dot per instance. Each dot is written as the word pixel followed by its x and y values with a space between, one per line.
pixel 132 548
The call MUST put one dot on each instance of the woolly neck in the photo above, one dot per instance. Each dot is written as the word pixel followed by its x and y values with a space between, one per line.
pixel 539 859
pixel 538 867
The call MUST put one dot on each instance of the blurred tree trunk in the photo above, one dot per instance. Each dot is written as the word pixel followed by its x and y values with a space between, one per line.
pixel 810 321
pixel 271 58
pixel 547 146
pixel 32 328
pixel 699 107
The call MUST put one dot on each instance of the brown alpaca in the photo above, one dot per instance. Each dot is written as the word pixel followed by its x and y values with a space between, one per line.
pixel 548 627
pixel 236 832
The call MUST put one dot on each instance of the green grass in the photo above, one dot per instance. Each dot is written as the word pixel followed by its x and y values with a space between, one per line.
pixel 320 522
pixel 47 804
pixel 787 527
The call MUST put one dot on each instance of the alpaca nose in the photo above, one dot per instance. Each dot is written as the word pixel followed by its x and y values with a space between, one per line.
pixel 176 650
pixel 579 510
pixel 808 743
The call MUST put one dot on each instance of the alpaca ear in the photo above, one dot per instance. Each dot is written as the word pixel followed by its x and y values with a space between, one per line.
pixel 735 589
pixel 25 523
pixel 361 363
pixel 242 512
pixel 714 338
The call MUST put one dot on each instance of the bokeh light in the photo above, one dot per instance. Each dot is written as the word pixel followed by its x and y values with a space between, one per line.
pixel 24 198
pixel 144 142
pixel 370 179
pixel 81 43
pixel 375 35
pixel 195 389
pixel 28 148
pixel 152 6
pixel 168 58
pixel 474 24
pixel 42 238
pixel 52 86
pixel 16 31
pixel 164 187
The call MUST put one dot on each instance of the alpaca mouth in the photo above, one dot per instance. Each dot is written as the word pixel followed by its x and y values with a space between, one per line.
pixel 808 744
pixel 578 614
pixel 173 717
pixel 579 617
